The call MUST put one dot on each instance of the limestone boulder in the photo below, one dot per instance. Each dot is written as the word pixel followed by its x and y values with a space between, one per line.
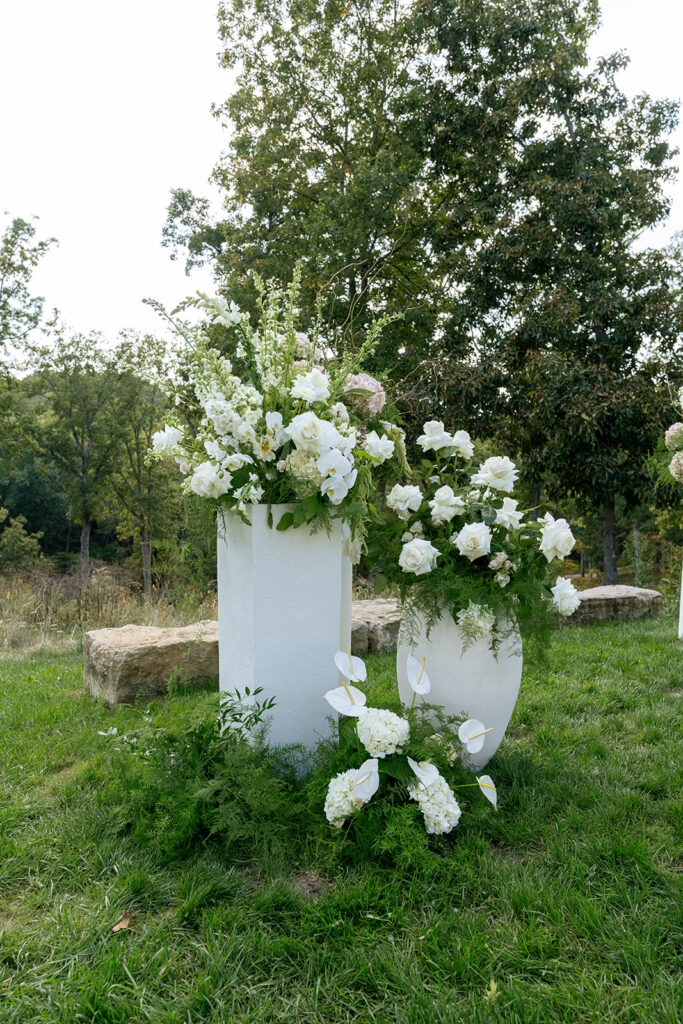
pixel 121 665
pixel 374 626
pixel 602 604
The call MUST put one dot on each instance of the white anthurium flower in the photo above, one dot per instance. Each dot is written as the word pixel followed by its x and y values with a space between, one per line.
pixel 351 667
pixel 426 772
pixel 471 733
pixel 367 779
pixel 488 788
pixel 417 677
pixel 435 437
pixel 333 463
pixel 347 700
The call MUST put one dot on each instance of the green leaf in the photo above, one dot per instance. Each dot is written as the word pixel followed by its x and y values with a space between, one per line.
pixel 381 583
pixel 397 768
pixel 286 521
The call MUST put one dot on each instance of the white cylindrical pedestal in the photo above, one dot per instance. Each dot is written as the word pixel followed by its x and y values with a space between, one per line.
pixel 281 618
pixel 680 614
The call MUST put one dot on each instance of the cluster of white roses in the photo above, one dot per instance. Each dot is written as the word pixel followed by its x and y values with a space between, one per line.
pixel 673 439
pixel 282 423
pixel 384 733
pixel 490 521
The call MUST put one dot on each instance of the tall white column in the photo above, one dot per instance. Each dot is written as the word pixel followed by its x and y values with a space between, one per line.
pixel 680 614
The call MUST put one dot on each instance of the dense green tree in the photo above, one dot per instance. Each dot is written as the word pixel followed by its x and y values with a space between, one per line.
pixel 20 312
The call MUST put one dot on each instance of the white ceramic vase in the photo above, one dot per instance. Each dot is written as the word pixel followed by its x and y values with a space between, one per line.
pixel 680 614
pixel 477 683
pixel 282 615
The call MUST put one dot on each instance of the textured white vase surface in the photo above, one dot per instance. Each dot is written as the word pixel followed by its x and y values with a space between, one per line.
pixel 476 683
pixel 282 615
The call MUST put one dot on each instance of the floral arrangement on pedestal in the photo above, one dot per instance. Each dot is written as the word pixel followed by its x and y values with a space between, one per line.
pixel 455 540
pixel 290 419
pixel 673 440
pixel 397 756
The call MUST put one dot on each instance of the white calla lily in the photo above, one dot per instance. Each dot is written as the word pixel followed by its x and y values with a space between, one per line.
pixel 347 700
pixel 486 785
pixel 472 733
pixel 351 667
pixel 367 779
pixel 417 677
pixel 426 772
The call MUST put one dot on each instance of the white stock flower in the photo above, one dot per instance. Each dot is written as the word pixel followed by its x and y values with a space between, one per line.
pixel 557 540
pixel 440 810
pixel 382 732
pixel 228 314
pixel 418 556
pixel 313 386
pixel 164 441
pixel 349 791
pixel 340 413
pixel 445 504
pixel 498 473
pixel 208 481
pixel 435 437
pixel 417 677
pixel 311 434
pixel 508 516
pixel 463 444
pixel 275 427
pixel 381 448
pixel 404 499
pixel 473 541
pixel 565 596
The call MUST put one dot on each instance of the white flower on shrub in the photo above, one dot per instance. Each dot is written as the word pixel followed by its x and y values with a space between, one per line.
pixel 228 314
pixel 440 809
pixel 565 596
pixel 435 437
pixel 676 467
pixel 673 439
pixel 164 441
pixel 557 540
pixel 351 790
pixel 508 516
pixel 313 386
pixel 340 413
pixel 498 473
pixel 382 732
pixel 210 482
pixel 418 556
pixel 473 541
pixel 381 448
pixel 311 434
pixel 463 444
pixel 404 499
pixel 445 504
pixel 302 465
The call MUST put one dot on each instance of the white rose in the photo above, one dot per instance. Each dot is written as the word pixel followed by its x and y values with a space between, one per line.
pixel 311 434
pixel 565 596
pixel 418 556
pixel 463 444
pixel 435 437
pixel 508 516
pixel 313 386
pixel 473 541
pixel 381 448
pixel 164 441
pixel 557 540
pixel 208 481
pixel 445 504
pixel 498 472
pixel 404 500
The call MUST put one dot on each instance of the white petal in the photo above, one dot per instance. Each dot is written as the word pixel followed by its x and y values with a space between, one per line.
pixel 488 789
pixel 350 667
pixel 417 677
pixel 472 728
pixel 347 700
pixel 367 779
pixel 425 771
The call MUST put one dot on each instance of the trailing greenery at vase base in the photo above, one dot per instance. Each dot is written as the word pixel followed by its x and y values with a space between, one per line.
pixel 567 897
pixel 291 419
pixel 457 542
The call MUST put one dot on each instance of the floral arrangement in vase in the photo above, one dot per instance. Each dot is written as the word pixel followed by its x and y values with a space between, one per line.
pixel 456 540
pixel 673 440
pixel 393 757
pixel 290 419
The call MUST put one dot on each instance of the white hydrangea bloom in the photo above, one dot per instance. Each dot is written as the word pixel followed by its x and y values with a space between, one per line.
pixel 676 467
pixel 673 439
pixel 382 732
pixel 349 791
pixel 440 810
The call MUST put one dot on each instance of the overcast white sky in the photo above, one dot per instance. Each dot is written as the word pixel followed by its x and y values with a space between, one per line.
pixel 106 107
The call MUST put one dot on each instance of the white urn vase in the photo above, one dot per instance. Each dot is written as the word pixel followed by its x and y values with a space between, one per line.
pixel 477 683
pixel 282 615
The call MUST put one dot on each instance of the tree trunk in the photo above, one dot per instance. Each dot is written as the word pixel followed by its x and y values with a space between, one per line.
pixel 86 527
pixel 609 541
pixel 146 552
pixel 535 502
pixel 637 553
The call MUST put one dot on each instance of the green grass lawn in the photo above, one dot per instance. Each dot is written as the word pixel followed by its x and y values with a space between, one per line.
pixel 567 898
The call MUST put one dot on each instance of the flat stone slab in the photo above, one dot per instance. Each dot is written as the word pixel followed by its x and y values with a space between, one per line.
pixel 602 604
pixel 374 626
pixel 120 665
